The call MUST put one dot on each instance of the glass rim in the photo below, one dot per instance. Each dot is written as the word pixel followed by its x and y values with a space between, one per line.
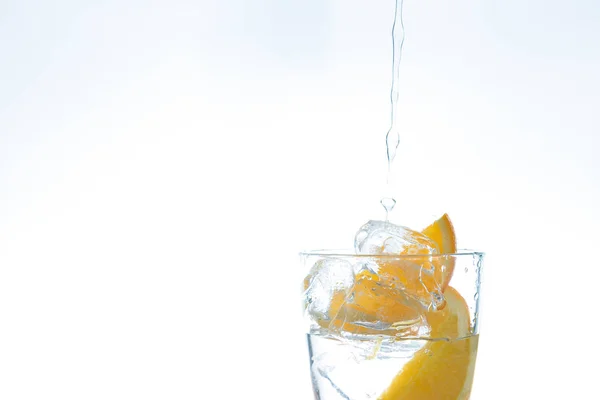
pixel 349 253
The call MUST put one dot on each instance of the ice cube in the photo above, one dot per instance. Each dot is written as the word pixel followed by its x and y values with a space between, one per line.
pixel 382 237
pixel 419 277
pixel 342 297
pixel 327 285
pixel 374 306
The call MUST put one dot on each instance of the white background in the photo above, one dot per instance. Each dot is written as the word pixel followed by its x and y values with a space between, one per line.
pixel 162 163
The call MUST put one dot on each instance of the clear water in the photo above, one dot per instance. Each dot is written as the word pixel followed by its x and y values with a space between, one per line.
pixel 356 369
pixel 392 138
pixel 360 368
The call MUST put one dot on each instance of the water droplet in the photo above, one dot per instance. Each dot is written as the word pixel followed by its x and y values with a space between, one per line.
pixel 428 352
pixel 388 204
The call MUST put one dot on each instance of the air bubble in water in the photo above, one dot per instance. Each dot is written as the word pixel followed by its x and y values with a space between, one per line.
pixel 437 300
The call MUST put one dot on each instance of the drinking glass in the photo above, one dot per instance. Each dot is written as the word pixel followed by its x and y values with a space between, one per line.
pixel 392 327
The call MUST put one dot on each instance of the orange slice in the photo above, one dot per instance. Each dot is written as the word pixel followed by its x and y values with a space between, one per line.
pixel 442 233
pixel 442 369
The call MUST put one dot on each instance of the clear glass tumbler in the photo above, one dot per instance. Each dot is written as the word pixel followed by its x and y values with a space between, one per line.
pixel 392 327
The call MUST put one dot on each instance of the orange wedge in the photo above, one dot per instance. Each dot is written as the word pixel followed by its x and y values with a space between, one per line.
pixel 442 369
pixel 442 233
